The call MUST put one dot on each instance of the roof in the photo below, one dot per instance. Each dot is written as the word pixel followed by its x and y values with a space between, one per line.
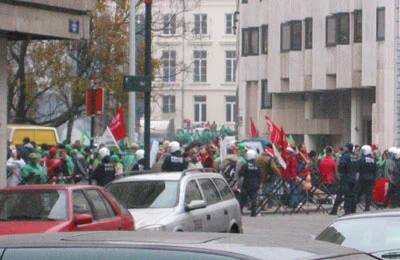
pixel 391 213
pixel 168 176
pixel 49 187
pixel 277 247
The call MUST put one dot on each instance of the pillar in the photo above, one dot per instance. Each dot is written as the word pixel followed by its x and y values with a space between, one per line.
pixel 356 118
pixel 3 110
pixel 309 140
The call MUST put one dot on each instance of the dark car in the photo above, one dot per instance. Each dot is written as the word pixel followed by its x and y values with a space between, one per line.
pixel 168 245
pixel 60 208
pixel 374 233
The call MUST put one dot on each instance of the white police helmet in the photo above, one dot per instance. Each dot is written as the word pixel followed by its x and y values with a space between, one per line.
pixel 251 154
pixel 103 152
pixel 174 146
pixel 139 154
pixel 366 150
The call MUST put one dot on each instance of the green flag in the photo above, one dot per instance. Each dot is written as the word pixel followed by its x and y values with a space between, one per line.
pixel 85 139
pixel 291 140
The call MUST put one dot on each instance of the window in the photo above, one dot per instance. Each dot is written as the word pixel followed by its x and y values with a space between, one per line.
pixel 266 97
pixel 229 22
pixel 230 105
pixel 200 24
pixel 200 108
pixel 168 104
pixel 192 192
pixel 223 188
pixel 308 25
pixel 169 24
pixel 244 1
pixel 380 24
pixel 102 211
pixel 296 35
pixel 80 203
pixel 343 28
pixel 357 26
pixel 230 63
pixel 264 39
pixel 168 59
pixel 200 66
pixel 250 41
pixel 330 31
pixel 210 192
pixel 285 37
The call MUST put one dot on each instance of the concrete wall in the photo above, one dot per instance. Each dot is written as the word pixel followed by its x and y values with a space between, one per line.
pixel 367 66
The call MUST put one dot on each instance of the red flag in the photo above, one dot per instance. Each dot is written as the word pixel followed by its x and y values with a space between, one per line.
pixel 254 132
pixel 117 125
pixel 284 143
pixel 274 131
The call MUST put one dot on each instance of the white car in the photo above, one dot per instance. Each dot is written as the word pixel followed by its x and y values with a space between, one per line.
pixel 191 200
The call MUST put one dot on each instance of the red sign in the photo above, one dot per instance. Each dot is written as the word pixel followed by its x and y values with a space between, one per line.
pixel 99 104
pixel 148 1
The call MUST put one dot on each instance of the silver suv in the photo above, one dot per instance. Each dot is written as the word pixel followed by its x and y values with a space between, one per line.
pixel 192 200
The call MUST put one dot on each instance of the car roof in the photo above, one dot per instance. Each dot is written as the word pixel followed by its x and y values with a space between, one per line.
pixel 286 247
pixel 391 213
pixel 50 187
pixel 167 176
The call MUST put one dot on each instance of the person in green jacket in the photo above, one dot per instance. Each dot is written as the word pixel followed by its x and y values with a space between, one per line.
pixel 130 157
pixel 33 173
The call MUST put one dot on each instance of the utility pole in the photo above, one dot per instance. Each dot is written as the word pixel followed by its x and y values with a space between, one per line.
pixel 147 95
pixel 92 127
pixel 132 71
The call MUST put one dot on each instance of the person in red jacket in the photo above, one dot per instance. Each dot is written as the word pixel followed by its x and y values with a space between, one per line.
pixel 52 164
pixel 327 170
pixel 207 157
pixel 291 166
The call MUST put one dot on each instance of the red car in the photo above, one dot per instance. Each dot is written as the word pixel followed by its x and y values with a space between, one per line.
pixel 60 208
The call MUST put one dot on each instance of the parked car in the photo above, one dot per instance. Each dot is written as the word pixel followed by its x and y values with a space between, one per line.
pixel 147 245
pixel 192 200
pixel 60 208
pixel 375 233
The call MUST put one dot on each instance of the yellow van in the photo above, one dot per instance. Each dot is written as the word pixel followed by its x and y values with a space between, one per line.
pixel 37 134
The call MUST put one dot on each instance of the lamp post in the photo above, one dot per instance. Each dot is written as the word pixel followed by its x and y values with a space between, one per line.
pixel 147 95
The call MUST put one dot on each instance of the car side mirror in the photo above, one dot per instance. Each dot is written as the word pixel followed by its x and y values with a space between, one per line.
pixel 196 204
pixel 82 219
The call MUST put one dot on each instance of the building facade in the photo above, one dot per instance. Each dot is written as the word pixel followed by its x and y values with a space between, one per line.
pixel 196 46
pixel 326 71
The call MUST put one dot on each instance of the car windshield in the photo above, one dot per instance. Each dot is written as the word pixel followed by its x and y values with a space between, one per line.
pixel 368 235
pixel 23 205
pixel 146 194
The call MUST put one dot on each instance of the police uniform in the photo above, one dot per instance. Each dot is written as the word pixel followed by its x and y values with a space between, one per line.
pixel 104 172
pixel 174 163
pixel 251 174
pixel 368 170
pixel 348 167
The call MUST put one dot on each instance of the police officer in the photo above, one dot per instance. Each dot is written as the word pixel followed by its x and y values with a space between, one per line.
pixel 368 170
pixel 105 171
pixel 251 174
pixel 175 161
pixel 348 167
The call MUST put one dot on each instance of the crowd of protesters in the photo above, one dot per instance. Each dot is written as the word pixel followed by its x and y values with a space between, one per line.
pixel 349 172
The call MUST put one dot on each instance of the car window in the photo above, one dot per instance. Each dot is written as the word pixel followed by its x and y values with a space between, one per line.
pixel 121 207
pixel 210 192
pixel 80 203
pixel 23 205
pixel 223 188
pixel 192 192
pixel 146 194
pixel 100 205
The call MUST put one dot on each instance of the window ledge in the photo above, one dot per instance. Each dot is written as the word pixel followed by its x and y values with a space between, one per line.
pixel 196 84
pixel 228 84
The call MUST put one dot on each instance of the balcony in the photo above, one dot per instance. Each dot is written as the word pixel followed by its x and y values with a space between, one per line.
pixel 324 126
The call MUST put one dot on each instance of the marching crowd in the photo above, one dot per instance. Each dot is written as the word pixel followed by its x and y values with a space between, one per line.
pixel 350 171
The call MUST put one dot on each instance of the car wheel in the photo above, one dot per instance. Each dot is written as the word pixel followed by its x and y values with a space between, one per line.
pixel 234 229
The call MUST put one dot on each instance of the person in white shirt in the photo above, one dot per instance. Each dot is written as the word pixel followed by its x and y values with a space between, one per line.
pixel 14 168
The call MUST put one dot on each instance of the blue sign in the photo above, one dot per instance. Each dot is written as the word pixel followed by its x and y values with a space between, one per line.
pixel 73 26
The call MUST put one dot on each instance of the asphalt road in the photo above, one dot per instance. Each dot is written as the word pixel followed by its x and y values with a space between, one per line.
pixel 311 224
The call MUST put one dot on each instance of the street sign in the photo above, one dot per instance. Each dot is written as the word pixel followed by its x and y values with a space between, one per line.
pixel 137 83
pixel 99 102
pixel 73 26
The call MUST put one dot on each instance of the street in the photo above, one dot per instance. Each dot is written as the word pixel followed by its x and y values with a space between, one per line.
pixel 312 224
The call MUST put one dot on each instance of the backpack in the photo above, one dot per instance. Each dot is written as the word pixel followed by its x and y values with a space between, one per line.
pixel 302 165
pixel 229 170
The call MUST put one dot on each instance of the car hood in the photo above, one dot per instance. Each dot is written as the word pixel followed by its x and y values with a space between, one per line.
pixel 26 227
pixel 146 217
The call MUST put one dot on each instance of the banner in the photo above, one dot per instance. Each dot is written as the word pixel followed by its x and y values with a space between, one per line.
pixel 254 132
pixel 108 139
pixel 85 139
pixel 284 143
pixel 117 125
pixel 274 131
